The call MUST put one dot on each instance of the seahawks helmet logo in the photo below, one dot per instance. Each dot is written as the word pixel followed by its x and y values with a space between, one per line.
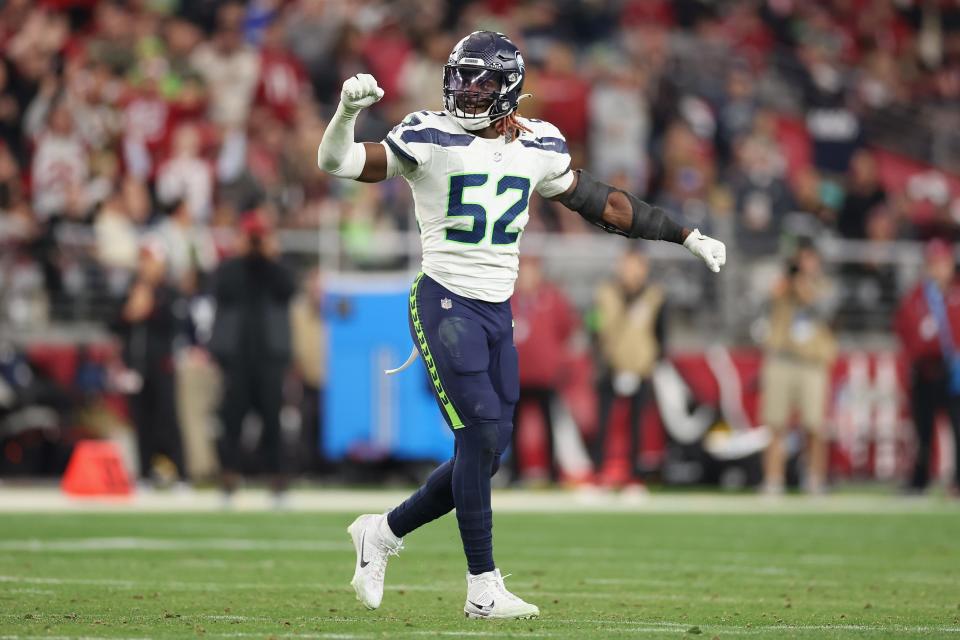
pixel 458 49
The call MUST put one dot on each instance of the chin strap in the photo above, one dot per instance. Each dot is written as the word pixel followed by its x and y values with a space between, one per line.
pixel 469 124
pixel 475 124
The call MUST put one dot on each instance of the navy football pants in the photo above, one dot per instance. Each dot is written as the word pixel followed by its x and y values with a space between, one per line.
pixel 467 347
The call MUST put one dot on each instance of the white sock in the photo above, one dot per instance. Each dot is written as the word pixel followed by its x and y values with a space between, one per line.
pixel 387 533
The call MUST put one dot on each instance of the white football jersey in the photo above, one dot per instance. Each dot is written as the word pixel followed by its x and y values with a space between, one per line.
pixel 471 196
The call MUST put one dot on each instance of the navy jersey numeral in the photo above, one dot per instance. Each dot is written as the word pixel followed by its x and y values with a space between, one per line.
pixel 456 207
pixel 507 183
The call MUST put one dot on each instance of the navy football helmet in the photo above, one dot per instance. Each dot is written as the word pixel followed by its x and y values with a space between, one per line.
pixel 482 79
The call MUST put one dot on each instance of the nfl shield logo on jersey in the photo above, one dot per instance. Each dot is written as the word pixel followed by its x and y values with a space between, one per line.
pixel 446 303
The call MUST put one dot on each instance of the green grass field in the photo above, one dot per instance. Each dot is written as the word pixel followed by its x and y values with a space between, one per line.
pixel 285 575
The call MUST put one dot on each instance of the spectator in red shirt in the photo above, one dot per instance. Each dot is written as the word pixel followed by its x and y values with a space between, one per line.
pixel 282 78
pixel 544 322
pixel 385 51
pixel 928 325
pixel 561 95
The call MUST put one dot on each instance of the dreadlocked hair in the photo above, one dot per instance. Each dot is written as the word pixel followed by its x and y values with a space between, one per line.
pixel 510 127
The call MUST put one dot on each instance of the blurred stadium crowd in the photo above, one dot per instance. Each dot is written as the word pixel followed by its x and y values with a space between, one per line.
pixel 767 115
pixel 152 127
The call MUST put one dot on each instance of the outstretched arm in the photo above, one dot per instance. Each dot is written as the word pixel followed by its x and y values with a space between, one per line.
pixel 339 153
pixel 617 211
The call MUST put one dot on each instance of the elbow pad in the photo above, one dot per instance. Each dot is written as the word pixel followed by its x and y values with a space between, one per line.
pixel 589 199
pixel 349 164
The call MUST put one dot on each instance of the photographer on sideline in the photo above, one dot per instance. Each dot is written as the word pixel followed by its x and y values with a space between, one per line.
pixel 251 343
pixel 147 327
pixel 799 351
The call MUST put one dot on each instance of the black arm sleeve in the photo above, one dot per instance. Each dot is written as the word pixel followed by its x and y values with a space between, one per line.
pixel 589 199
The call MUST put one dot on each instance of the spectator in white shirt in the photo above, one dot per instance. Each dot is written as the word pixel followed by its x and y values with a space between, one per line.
pixel 229 67
pixel 187 175
pixel 189 247
pixel 60 166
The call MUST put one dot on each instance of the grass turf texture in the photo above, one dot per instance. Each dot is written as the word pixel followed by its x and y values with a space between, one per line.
pixel 286 575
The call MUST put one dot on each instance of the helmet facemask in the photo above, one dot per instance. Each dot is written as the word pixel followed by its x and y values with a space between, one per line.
pixel 482 80
pixel 474 95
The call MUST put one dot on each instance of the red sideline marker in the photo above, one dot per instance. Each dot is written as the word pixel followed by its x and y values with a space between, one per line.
pixel 96 469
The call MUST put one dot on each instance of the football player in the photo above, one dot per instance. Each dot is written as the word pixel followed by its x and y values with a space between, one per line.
pixel 472 168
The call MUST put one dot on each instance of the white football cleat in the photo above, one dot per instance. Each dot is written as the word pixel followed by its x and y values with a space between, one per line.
pixel 487 597
pixel 374 543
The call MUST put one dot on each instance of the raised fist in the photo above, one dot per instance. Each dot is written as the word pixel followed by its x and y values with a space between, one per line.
pixel 360 91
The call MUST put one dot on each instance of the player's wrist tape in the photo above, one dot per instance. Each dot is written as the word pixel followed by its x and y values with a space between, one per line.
pixel 589 199
pixel 339 154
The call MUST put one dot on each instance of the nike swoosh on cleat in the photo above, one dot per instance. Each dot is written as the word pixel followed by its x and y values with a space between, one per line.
pixel 363 563
pixel 480 606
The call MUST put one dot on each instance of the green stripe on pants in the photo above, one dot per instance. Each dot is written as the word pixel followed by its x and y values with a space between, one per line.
pixel 452 414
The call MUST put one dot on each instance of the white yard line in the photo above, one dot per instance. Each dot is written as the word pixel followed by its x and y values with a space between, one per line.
pixel 92 581
pixel 440 587
pixel 172 544
pixel 50 499
pixel 769 573
pixel 323 636
pixel 10 637
pixel 481 634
